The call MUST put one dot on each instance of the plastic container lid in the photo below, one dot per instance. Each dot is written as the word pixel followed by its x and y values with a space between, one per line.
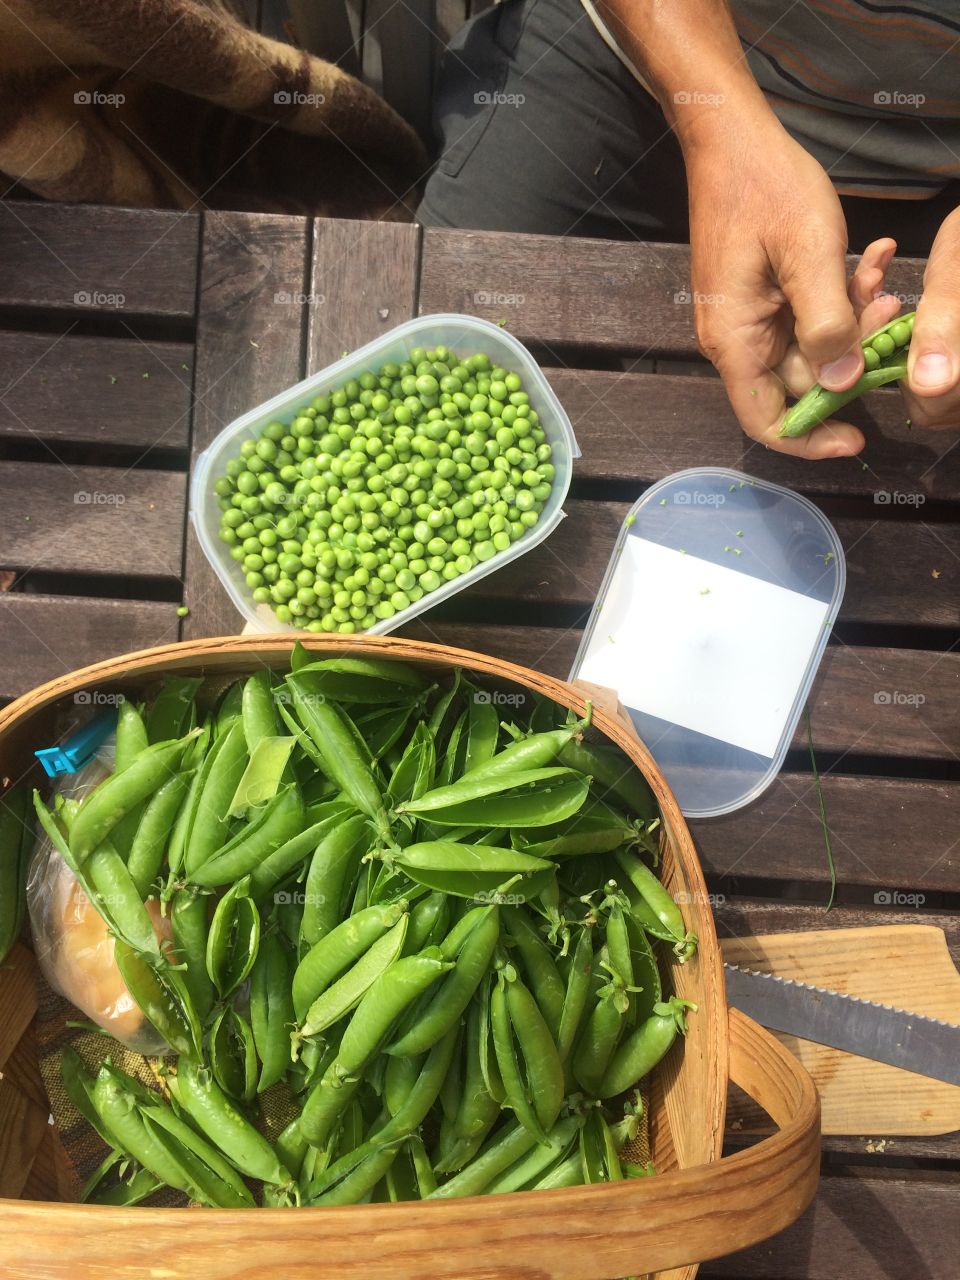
pixel 710 625
pixel 465 335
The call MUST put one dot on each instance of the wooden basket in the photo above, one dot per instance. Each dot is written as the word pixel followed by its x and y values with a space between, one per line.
pixel 699 1206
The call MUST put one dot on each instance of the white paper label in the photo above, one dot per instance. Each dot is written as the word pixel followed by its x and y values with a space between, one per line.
pixel 703 646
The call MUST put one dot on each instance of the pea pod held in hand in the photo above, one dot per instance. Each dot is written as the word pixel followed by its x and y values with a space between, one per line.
pixel 885 356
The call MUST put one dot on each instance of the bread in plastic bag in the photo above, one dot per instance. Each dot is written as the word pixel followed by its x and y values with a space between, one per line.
pixel 71 939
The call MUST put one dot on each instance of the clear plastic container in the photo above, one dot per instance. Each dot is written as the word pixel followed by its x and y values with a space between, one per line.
pixel 710 625
pixel 466 335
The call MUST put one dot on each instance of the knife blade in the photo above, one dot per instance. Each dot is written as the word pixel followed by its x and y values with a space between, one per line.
pixel 879 1031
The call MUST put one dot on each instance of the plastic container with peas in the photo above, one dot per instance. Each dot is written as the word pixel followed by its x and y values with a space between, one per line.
pixel 313 523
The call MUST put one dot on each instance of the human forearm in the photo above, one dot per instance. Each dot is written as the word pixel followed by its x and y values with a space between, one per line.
pixel 690 55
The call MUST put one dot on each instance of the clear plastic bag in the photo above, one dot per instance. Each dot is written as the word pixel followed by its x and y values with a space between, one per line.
pixel 71 939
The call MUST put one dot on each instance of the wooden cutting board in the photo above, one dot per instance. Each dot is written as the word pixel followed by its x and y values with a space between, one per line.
pixel 904 965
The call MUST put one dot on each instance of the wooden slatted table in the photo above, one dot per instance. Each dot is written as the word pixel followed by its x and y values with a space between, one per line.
pixel 129 339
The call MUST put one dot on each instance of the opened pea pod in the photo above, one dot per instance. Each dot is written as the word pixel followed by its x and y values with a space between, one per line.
pixel 885 355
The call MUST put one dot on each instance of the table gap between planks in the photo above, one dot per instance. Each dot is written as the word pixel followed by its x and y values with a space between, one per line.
pixel 129 339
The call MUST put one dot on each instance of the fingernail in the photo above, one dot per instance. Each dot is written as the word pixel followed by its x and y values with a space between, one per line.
pixel 933 369
pixel 841 370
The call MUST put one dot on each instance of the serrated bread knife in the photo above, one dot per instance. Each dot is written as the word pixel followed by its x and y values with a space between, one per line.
pixel 879 1031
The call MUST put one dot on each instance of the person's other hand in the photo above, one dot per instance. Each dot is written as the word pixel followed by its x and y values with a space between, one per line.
pixel 768 240
pixel 932 389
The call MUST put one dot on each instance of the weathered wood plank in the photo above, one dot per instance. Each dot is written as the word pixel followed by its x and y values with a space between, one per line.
pixel 249 347
pixel 737 917
pixel 861 1228
pixel 85 259
pixel 848 708
pixel 78 519
pixel 111 391
pixel 885 832
pixel 897 571
pixel 577 291
pixel 43 636
pixel 363 282
pixel 642 426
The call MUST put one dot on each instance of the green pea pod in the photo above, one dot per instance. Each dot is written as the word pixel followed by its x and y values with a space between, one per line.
pixel 575 996
pixel 614 775
pixel 414 775
pixel 429 921
pixel 172 710
pixel 161 997
pixel 152 836
pixel 451 762
pixel 223 769
pixel 546 714
pixel 353 680
pixel 325 1104
pixel 225 1126
pixel 78 1083
pixel 119 902
pixel 333 869
pixel 591 1155
pixel 383 728
pixel 399 1078
pixel 407 1120
pixel 526 798
pixel 233 1056
pixel 529 754
pixel 121 1190
pixel 451 1093
pixel 483 730
pixel 262 776
pixel 358 1184
pixel 292 1146
pixel 884 362
pixel 539 966
pixel 422 1168
pixel 382 1005
pixel 271 1009
pixel 489 1069
pixel 190 926
pixel 195 759
pixel 338 950
pixel 304 741
pixel 16 843
pixel 474 871
pixel 597 828
pixel 234 938
pixel 343 761
pixel 660 903
pixel 258 710
pixel 278 821
pixel 131 735
pixel 598 1041
pixel 543 1070
pixel 478 1109
pixel 457 989
pixel 438 715
pixel 230 708
pixel 117 795
pixel 341 996
pixel 645 1047
pixel 534 1164
pixel 646 974
pixel 120 1115
pixel 568 1173
pixel 514 1085
pixel 217 1180
pixel 289 856
pixel 508 1147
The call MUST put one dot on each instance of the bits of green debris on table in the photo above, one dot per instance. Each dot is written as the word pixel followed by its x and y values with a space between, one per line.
pixel 183 611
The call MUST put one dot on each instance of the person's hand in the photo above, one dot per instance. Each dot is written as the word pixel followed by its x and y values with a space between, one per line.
pixel 932 392
pixel 768 240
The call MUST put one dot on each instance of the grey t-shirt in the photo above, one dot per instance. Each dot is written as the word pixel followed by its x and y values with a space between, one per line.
pixel 871 88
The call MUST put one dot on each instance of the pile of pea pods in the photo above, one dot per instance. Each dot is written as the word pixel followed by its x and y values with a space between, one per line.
pixel 426 936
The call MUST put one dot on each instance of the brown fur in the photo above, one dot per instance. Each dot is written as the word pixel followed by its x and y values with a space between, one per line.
pixel 200 124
